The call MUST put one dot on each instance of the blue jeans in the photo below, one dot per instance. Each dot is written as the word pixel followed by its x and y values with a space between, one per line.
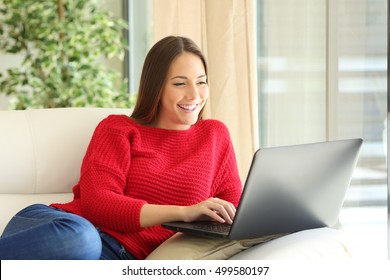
pixel 43 232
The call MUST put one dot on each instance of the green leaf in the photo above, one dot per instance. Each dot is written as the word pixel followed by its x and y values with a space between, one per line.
pixel 62 58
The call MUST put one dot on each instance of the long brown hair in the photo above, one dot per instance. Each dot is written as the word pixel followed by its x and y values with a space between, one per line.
pixel 154 72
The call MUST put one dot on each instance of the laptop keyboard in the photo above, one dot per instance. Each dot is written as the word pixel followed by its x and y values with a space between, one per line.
pixel 215 227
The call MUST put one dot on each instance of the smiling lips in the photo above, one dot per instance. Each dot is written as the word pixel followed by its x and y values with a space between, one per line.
pixel 188 108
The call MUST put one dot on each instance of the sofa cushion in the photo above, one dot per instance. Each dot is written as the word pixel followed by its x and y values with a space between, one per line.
pixel 44 148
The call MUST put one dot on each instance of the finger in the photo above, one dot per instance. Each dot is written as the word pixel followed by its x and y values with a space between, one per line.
pixel 225 210
pixel 213 215
pixel 228 211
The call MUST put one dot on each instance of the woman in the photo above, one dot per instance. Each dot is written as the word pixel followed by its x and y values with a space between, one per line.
pixel 164 163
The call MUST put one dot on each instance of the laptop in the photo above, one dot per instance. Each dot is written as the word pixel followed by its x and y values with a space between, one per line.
pixel 288 189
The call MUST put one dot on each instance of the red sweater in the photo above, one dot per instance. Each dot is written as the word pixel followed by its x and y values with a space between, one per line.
pixel 127 165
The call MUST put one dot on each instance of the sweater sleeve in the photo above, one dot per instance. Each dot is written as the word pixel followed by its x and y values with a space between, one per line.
pixel 227 184
pixel 103 180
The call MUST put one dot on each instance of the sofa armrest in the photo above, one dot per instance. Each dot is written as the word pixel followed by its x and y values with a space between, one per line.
pixel 313 244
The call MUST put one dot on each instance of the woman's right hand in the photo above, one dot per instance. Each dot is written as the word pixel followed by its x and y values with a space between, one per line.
pixel 211 209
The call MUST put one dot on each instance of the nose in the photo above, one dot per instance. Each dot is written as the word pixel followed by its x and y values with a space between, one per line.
pixel 193 92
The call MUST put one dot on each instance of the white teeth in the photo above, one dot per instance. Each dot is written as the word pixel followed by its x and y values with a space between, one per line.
pixel 188 107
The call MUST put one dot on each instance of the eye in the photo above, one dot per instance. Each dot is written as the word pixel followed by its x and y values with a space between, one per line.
pixel 179 84
pixel 202 83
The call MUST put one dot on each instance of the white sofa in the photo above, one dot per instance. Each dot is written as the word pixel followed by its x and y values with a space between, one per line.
pixel 40 156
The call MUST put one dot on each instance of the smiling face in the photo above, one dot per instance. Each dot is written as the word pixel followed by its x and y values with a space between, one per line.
pixel 184 93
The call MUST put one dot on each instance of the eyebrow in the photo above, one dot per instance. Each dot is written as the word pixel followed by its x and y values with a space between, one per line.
pixel 184 77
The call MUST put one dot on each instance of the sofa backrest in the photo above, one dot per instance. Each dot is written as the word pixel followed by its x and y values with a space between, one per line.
pixel 41 150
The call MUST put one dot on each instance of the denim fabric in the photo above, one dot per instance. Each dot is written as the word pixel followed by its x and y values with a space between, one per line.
pixel 43 232
pixel 112 249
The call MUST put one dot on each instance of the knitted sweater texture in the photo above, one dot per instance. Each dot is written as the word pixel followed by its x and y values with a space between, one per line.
pixel 127 165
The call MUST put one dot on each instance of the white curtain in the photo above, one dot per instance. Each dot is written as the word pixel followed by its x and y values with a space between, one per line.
pixel 225 31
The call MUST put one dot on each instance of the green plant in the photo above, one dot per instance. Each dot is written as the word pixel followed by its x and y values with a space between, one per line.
pixel 63 43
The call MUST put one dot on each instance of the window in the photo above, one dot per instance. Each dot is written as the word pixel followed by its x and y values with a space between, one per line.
pixel 139 15
pixel 322 75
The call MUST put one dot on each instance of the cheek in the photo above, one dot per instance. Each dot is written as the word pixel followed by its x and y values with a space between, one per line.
pixel 205 93
pixel 168 99
pixel 168 105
